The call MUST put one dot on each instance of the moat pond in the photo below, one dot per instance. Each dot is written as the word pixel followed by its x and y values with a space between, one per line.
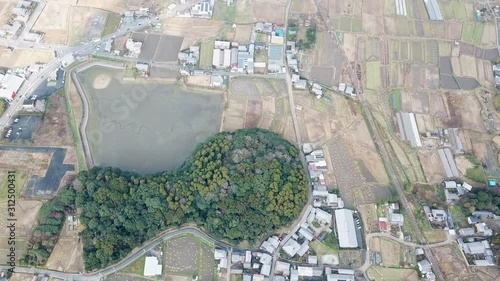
pixel 145 126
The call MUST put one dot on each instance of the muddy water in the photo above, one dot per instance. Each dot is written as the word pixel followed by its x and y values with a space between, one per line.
pixel 148 126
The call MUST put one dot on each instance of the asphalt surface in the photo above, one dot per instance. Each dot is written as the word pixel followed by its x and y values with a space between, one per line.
pixel 24 128
pixel 45 187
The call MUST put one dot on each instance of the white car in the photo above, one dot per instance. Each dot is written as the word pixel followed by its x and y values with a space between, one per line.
pixel 33 97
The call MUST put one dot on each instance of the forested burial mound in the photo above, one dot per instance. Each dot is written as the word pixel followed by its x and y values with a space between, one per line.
pixel 236 186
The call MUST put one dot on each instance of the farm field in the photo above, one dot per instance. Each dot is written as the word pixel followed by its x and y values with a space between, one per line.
pixel 67 255
pixel 453 266
pixel 378 273
pixel 369 217
pixel 189 256
pixel 258 103
pixel 373 75
pixel 193 30
pixel 392 253
pixel 23 58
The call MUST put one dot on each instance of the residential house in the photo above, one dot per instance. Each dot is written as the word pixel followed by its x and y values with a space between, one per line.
pixel 203 9
pixel 396 219
pixel 466 231
pixel 282 267
pixel 439 215
pixel 264 27
pixel 291 247
pixel 152 267
pixel 483 229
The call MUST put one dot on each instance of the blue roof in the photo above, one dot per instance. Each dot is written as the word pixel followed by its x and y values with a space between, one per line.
pixel 280 32
pixel 492 183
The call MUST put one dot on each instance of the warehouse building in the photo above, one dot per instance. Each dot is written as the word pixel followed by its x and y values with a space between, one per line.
pixel 9 85
pixel 408 129
pixel 433 10
pixel 346 229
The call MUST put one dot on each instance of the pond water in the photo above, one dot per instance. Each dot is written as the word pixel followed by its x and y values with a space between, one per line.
pixel 145 126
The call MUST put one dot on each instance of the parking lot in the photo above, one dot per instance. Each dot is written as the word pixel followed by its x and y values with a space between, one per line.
pixel 158 48
pixel 23 129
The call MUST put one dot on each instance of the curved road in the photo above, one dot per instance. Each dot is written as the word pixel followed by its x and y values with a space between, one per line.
pixel 98 275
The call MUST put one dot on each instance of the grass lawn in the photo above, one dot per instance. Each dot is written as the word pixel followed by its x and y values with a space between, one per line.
pixel 207 49
pixel 459 216
pixel 477 173
pixel 260 56
pixel 136 267
pixel 434 236
pixel 373 75
pixel 21 177
pixel 396 100
pixel 345 24
pixel 357 25
pixel 478 34
pixel 224 12
pixel 459 10
pixel 2 107
pixel 447 10
pixel 468 32
pixel 321 249
pixel 112 23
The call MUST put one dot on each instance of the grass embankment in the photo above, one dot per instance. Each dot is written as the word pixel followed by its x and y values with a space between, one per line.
pixel 136 267
pixel 72 121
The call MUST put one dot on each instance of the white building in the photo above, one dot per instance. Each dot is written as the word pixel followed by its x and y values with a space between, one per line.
pixel 151 267
pixel 346 228
pixel 133 47
pixel 33 37
pixel 282 267
pixel 203 9
pixel 323 216
pixel 291 247
pixel 9 85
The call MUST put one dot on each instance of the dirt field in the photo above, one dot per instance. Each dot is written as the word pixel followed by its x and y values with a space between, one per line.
pixel 378 273
pixel 303 7
pixel 369 216
pixel 36 163
pixel 22 58
pixel 392 253
pixel 432 166
pixel 67 255
pixel 22 277
pixel 453 266
pixel 55 129
pixel 256 103
pixel 79 24
pixel 117 6
pixel 53 21
pixel 193 30
pixel 269 10
pixel 242 34
pixel 6 10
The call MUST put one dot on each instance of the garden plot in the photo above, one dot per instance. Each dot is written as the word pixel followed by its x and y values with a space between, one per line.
pixel 369 216
pixel 189 256
pixel 378 273
pixel 255 103
pixel 392 253
pixel 193 30
pixel 452 265
pixel 431 165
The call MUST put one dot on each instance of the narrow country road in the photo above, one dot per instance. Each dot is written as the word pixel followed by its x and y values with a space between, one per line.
pixel 99 275
pixel 370 236
pixel 379 144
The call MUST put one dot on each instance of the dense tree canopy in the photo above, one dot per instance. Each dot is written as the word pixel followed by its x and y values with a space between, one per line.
pixel 238 186
pixel 479 199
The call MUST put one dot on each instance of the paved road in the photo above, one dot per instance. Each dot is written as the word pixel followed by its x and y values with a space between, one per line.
pixel 378 141
pixel 303 216
pixel 86 49
pixel 98 275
